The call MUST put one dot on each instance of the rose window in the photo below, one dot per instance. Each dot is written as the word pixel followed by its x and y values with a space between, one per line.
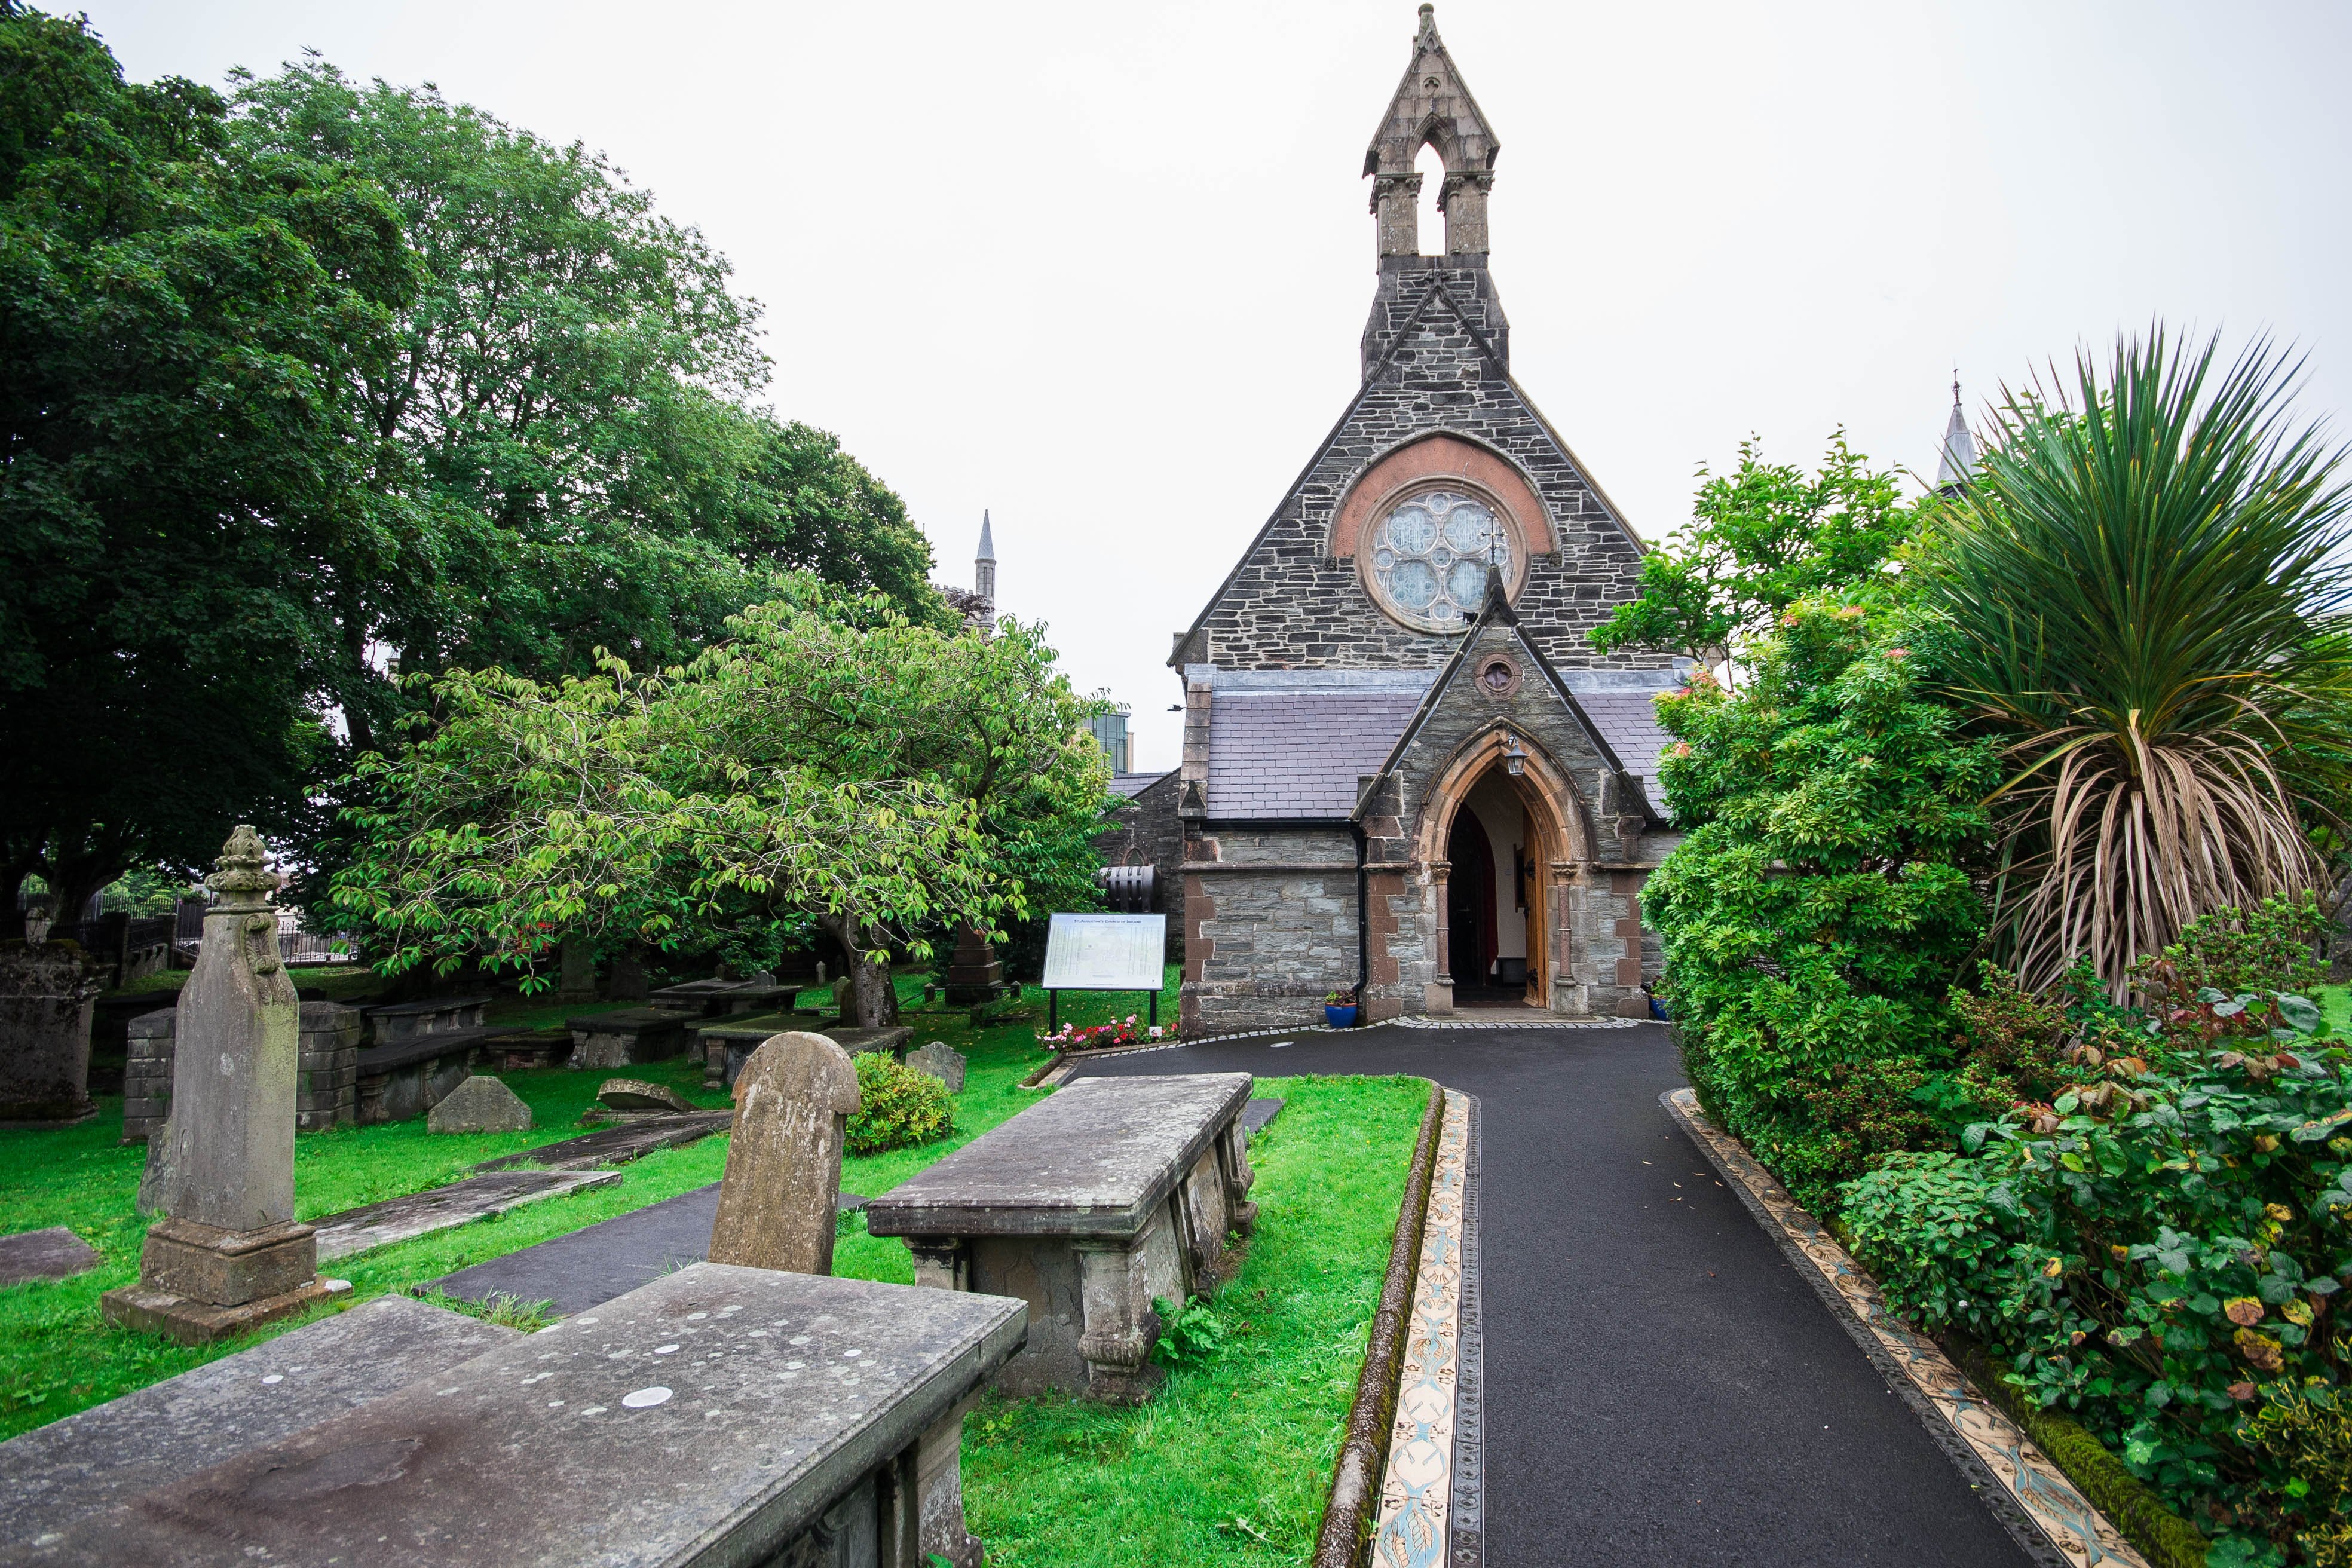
pixel 1430 554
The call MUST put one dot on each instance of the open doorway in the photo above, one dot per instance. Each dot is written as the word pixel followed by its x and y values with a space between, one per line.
pixel 1494 896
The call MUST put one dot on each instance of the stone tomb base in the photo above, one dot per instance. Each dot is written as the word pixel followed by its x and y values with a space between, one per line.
pixel 198 1283
pixel 1087 1206
pixel 714 1416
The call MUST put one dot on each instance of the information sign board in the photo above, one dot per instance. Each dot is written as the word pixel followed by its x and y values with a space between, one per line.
pixel 1106 952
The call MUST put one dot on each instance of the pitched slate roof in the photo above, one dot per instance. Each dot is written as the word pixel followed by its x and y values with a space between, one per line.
pixel 1291 743
pixel 1619 703
pixel 1133 785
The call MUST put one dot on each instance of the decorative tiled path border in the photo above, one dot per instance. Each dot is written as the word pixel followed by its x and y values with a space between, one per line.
pixel 1431 1510
pixel 2051 1520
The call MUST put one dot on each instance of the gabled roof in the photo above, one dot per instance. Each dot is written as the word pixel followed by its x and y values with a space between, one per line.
pixel 1435 295
pixel 1621 695
pixel 1133 785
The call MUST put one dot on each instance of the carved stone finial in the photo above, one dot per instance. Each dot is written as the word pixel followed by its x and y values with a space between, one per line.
pixel 243 876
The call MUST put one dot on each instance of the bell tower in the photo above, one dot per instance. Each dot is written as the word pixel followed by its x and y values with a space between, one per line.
pixel 1432 108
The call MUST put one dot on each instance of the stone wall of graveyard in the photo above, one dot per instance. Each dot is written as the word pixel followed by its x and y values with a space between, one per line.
pixel 326 1090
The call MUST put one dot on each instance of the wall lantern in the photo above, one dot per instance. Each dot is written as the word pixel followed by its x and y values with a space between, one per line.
pixel 1515 761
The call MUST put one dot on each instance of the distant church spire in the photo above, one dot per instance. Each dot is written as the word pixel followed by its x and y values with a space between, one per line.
pixel 1433 107
pixel 1957 461
pixel 983 574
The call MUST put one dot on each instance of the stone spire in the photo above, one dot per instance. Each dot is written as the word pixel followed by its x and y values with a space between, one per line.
pixel 983 573
pixel 1957 458
pixel 1433 107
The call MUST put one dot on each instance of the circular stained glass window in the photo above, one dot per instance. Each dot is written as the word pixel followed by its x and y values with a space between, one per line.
pixel 1430 555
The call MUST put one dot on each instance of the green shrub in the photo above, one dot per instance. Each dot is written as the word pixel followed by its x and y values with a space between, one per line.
pixel 897 1105
pixel 2160 1249
pixel 1819 908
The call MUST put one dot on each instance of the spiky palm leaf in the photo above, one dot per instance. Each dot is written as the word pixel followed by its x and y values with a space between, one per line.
pixel 2148 571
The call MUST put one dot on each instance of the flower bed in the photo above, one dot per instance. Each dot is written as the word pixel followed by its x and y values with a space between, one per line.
pixel 1101 1036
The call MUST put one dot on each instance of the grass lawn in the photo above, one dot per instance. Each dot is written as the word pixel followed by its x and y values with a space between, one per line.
pixel 58 1355
pixel 1230 1462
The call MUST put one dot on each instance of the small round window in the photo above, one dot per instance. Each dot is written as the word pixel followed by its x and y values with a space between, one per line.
pixel 1429 557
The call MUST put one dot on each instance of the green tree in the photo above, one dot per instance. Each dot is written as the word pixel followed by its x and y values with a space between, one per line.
pixel 832 764
pixel 1759 539
pixel 1820 907
pixel 2153 605
pixel 179 328
pixel 561 453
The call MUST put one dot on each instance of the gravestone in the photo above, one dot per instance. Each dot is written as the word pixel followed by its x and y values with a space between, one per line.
pixel 45 1010
pixel 636 1094
pixel 576 979
pixel 56 1253
pixel 1087 1205
pixel 479 1105
pixel 632 1140
pixel 95 1462
pixel 229 1257
pixel 793 1103
pixel 711 1418
pixel 941 1061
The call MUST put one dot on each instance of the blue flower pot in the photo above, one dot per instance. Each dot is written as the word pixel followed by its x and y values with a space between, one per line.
pixel 1339 1017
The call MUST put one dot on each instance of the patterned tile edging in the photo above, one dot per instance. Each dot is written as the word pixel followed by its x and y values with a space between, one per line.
pixel 2054 1523
pixel 1418 1484
pixel 1466 1518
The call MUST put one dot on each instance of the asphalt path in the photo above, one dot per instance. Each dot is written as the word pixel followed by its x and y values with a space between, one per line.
pixel 1662 1387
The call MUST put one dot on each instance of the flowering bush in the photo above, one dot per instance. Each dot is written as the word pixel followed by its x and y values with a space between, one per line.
pixel 2159 1247
pixel 1070 1037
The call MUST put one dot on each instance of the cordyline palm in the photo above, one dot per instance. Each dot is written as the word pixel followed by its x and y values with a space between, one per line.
pixel 2148 574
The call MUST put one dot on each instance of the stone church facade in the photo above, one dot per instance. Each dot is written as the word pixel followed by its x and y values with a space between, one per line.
pixel 1406 771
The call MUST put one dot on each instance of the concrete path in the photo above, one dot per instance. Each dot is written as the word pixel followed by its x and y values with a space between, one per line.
pixel 1662 1388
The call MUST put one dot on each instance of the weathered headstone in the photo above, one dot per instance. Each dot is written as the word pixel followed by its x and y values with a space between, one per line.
pixel 636 1094
pixel 230 1256
pixel 941 1061
pixel 479 1105
pixel 45 1010
pixel 793 1103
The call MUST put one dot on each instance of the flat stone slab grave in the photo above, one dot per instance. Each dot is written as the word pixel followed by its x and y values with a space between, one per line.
pixel 56 1253
pixel 718 1414
pixel 1257 1113
pixel 594 1263
pixel 462 1202
pixel 615 1145
pixel 1087 1205
pixel 56 1476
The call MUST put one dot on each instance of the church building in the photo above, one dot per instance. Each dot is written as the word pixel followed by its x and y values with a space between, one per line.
pixel 1407 773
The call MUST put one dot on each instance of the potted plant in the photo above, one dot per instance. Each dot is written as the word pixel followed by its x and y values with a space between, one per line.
pixel 1339 1009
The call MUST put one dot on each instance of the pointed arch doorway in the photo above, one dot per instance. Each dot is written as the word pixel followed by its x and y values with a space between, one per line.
pixel 1503 831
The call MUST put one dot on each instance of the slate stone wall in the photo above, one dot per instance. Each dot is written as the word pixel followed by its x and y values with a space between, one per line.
pixel 1436 363
pixel 1266 945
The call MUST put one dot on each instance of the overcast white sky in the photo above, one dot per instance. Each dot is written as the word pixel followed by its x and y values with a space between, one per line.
pixel 1102 269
